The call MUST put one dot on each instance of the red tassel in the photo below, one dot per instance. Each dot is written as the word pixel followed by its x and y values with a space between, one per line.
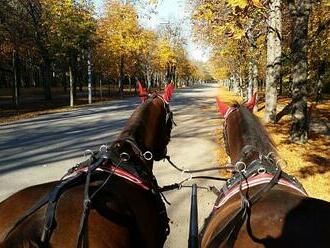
pixel 168 92
pixel 250 104
pixel 142 91
pixel 222 107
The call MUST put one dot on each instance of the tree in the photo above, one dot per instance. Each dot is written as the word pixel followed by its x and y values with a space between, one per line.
pixel 273 75
pixel 299 46
pixel 229 24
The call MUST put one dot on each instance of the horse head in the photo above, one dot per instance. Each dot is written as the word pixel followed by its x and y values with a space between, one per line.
pixel 148 131
pixel 244 136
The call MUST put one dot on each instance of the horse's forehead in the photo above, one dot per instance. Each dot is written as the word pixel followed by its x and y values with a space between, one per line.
pixel 234 118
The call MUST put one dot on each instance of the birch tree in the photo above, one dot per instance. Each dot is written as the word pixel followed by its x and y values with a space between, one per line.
pixel 274 51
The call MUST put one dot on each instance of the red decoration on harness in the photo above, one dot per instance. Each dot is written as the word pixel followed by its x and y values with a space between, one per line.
pixel 128 176
pixel 223 108
pixel 168 92
pixel 250 104
pixel 252 182
pixel 110 168
pixel 143 93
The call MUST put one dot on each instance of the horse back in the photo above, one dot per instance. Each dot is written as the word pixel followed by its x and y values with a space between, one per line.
pixel 14 207
pixel 122 215
pixel 282 218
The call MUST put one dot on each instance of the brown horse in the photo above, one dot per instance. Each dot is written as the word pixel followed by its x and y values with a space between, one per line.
pixel 110 200
pixel 261 206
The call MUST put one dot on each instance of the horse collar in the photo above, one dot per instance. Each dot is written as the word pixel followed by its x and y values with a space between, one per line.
pixel 257 173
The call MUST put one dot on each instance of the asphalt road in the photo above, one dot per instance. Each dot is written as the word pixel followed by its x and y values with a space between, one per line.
pixel 41 149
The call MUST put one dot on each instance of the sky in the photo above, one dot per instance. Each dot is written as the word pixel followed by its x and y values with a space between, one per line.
pixel 172 11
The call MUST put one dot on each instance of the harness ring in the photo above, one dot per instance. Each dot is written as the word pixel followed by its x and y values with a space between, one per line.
pixel 261 170
pixel 88 152
pixel 147 155
pixel 238 168
pixel 124 156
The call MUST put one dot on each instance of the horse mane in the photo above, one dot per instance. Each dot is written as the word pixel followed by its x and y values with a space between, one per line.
pixel 255 133
pixel 135 126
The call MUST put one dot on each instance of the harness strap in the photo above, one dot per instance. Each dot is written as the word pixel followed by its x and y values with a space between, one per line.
pixel 39 204
pixel 83 227
pixel 230 231
pixel 42 202
pixel 53 197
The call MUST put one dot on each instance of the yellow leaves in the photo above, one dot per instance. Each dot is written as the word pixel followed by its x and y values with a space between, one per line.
pixel 257 3
pixel 238 33
pixel 119 29
pixel 238 3
pixel 204 12
pixel 218 68
pixel 244 3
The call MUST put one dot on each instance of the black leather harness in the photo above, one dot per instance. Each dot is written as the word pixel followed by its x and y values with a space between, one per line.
pixel 228 234
pixel 80 176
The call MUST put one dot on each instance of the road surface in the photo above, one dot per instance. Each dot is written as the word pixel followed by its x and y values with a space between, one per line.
pixel 41 149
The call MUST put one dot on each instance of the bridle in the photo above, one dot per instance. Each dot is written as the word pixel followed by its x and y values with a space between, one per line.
pixel 225 136
pixel 142 154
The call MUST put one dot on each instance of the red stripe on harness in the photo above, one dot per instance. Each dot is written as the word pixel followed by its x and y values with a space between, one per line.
pixel 118 172
pixel 254 181
pixel 126 175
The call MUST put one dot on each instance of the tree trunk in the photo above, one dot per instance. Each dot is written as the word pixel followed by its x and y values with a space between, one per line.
pixel 16 79
pixel 121 77
pixel 89 73
pixel 299 48
pixel 109 86
pixel 250 80
pixel 130 84
pixel 101 92
pixel 274 51
pixel 46 78
pixel 71 85
pixel 253 78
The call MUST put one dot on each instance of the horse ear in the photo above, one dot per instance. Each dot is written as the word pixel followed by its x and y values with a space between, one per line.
pixel 222 107
pixel 141 91
pixel 168 92
pixel 250 104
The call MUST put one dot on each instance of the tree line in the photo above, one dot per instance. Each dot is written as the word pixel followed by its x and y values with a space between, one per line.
pixel 51 43
pixel 275 46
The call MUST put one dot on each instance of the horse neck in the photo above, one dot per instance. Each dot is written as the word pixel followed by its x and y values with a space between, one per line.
pixel 246 137
pixel 143 127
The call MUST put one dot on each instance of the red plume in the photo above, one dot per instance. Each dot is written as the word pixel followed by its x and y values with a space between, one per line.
pixel 250 104
pixel 168 92
pixel 142 91
pixel 222 107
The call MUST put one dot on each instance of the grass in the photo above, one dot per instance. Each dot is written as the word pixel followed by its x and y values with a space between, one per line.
pixel 309 162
